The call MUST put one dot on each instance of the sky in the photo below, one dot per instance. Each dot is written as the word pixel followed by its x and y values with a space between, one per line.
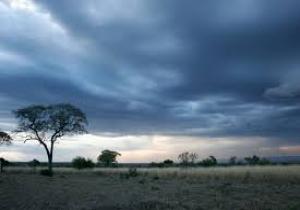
pixel 156 78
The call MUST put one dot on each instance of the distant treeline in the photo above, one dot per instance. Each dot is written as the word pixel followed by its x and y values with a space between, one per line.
pixel 207 162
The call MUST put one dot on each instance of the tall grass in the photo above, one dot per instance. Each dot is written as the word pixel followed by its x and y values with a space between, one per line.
pixel 290 174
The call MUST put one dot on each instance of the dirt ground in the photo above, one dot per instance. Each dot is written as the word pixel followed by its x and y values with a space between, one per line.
pixel 92 191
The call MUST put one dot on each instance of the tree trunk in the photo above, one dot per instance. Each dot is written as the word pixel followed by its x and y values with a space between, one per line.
pixel 50 157
pixel 50 163
pixel 1 166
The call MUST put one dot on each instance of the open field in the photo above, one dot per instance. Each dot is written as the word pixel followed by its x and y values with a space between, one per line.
pixel 269 187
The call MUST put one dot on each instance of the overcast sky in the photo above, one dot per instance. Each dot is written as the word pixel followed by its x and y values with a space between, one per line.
pixel 156 78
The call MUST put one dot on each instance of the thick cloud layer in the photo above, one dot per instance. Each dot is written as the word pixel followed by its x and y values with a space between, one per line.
pixel 209 68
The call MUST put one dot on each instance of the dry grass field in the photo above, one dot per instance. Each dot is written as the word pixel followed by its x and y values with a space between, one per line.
pixel 244 188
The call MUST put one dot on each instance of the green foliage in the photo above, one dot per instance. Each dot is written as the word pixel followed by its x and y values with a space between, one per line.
pixel 46 172
pixel 108 157
pixel 81 163
pixel 210 161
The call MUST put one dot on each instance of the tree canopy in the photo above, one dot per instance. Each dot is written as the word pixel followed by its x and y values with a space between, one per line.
pixel 46 124
pixel 108 157
pixel 5 138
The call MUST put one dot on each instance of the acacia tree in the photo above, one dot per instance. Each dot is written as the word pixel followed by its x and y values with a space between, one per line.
pixel 47 124
pixel 5 139
pixel 193 157
pixel 184 158
pixel 108 157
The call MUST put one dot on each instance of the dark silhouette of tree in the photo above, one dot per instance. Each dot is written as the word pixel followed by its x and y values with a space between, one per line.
pixel 187 158
pixel 213 159
pixel 5 139
pixel 232 160
pixel 254 160
pixel 210 161
pixel 81 163
pixel 47 124
pixel 34 163
pixel 168 162
pixel 3 163
pixel 193 157
pixel 108 157
pixel 184 158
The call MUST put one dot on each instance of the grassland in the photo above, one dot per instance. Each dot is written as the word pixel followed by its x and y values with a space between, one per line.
pixel 247 188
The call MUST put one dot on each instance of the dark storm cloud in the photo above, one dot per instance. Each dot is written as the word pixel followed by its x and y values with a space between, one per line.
pixel 171 67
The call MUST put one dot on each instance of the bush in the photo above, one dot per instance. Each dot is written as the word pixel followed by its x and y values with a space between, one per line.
pixel 132 172
pixel 81 163
pixel 168 162
pixel 3 163
pixel 34 163
pixel 254 160
pixel 264 162
pixel 211 161
pixel 157 165
pixel 46 172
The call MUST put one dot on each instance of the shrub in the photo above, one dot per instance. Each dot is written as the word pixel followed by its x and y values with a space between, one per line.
pixel 81 163
pixel 232 160
pixel 254 160
pixel 159 165
pixel 211 161
pixel 168 162
pixel 34 163
pixel 187 158
pixel 3 163
pixel 132 172
pixel 264 161
pixel 46 172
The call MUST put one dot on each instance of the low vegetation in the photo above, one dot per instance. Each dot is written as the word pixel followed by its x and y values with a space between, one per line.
pixel 235 187
pixel 82 163
pixel 108 158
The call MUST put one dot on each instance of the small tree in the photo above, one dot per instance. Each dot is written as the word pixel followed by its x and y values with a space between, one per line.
pixel 210 161
pixel 184 158
pixel 81 163
pixel 108 157
pixel 193 157
pixel 34 163
pixel 5 139
pixel 47 124
pixel 232 160
pixel 3 163
pixel 254 160
pixel 168 162
pixel 187 158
